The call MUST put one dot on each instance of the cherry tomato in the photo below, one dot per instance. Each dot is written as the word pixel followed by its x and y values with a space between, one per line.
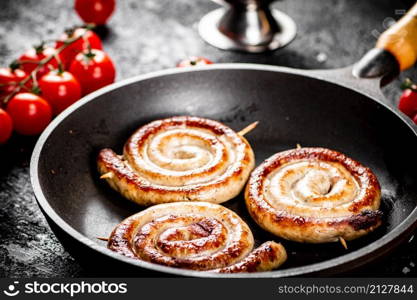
pixel 30 113
pixel 408 103
pixel 60 89
pixel 93 69
pixel 35 55
pixel 9 78
pixel 194 61
pixel 89 39
pixel 6 126
pixel 415 119
pixel 95 11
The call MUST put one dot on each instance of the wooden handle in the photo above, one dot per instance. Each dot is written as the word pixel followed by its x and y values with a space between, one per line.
pixel 401 39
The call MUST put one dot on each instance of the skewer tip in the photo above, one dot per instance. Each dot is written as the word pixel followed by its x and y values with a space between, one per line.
pixel 107 175
pixel 102 239
pixel 248 128
pixel 343 242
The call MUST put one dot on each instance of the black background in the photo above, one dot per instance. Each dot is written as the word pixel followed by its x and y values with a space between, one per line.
pixel 149 35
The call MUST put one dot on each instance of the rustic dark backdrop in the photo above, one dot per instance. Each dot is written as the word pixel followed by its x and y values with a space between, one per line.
pixel 149 35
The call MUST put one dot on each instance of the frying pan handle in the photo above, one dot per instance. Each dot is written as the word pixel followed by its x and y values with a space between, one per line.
pixel 395 50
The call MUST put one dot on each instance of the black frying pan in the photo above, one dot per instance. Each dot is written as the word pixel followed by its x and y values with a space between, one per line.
pixel 330 109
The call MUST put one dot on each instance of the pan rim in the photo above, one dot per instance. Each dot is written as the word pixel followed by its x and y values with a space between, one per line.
pixel 363 254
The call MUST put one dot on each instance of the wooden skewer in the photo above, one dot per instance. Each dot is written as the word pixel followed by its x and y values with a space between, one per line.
pixel 107 175
pixel 248 128
pixel 103 239
pixel 343 242
pixel 299 146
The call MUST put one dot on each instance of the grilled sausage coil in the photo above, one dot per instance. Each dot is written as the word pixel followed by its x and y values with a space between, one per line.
pixel 194 235
pixel 179 159
pixel 314 195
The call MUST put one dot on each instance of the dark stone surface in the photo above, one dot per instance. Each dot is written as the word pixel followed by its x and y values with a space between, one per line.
pixel 148 35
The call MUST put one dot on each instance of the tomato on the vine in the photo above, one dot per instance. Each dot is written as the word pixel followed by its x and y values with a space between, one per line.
pixel 95 11
pixel 9 79
pixel 29 112
pixel 60 89
pixel 89 39
pixel 30 59
pixel 6 126
pixel 11 76
pixel 415 119
pixel 194 61
pixel 408 102
pixel 93 69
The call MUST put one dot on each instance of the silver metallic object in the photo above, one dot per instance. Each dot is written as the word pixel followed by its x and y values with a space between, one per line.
pixel 247 25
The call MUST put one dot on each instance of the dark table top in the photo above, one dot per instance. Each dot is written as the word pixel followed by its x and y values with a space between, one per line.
pixel 149 35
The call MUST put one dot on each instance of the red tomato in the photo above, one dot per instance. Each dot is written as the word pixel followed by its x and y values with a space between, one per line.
pixel 6 126
pixel 35 55
pixel 89 39
pixel 30 113
pixel 93 70
pixel 194 61
pixel 408 103
pixel 415 119
pixel 60 89
pixel 9 79
pixel 95 11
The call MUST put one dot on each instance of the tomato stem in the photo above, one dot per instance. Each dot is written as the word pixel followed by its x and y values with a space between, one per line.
pixel 89 55
pixel 14 65
pixel 39 48
pixel 36 90
pixel 60 69
pixel 408 84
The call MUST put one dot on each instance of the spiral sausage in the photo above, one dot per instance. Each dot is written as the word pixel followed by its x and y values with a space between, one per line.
pixel 180 159
pixel 314 195
pixel 194 235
